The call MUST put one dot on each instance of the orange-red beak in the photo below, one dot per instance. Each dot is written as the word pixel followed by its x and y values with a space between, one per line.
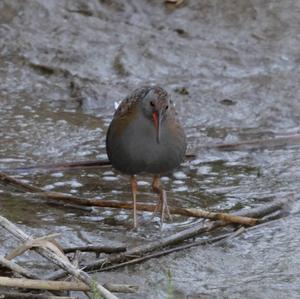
pixel 157 120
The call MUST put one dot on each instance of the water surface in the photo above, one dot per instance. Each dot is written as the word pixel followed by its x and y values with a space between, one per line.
pixel 233 71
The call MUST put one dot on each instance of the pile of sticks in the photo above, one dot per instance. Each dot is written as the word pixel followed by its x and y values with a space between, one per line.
pixel 115 257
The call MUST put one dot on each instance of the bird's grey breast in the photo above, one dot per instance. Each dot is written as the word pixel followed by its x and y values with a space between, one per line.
pixel 139 147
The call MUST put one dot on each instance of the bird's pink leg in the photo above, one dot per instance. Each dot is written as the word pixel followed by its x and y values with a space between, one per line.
pixel 163 203
pixel 134 191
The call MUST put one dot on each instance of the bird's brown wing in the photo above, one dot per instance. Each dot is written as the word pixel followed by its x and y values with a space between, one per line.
pixel 124 108
pixel 128 105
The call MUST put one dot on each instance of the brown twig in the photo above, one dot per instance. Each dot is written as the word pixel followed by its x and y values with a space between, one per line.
pixel 121 288
pixel 17 268
pixel 189 212
pixel 96 248
pixel 50 285
pixel 38 242
pixel 13 295
pixel 165 252
pixel 6 179
pixel 39 284
pixel 175 2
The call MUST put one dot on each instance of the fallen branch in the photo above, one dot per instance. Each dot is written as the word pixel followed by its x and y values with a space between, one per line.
pixel 165 252
pixel 189 212
pixel 50 285
pixel 13 295
pixel 95 248
pixel 121 288
pixel 38 242
pixel 38 284
pixel 18 184
pixel 17 268
pixel 175 2
pixel 267 208
pixel 50 255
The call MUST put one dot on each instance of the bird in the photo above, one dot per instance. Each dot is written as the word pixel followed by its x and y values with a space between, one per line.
pixel 145 136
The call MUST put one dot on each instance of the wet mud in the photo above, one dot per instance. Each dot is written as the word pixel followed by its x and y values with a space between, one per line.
pixel 232 68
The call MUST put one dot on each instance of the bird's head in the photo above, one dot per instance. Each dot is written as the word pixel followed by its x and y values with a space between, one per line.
pixel 155 105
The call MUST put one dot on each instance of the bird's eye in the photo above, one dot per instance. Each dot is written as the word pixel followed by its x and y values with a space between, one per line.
pixel 152 103
pixel 167 107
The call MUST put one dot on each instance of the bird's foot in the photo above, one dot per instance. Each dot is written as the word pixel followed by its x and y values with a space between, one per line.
pixel 163 208
pixel 165 211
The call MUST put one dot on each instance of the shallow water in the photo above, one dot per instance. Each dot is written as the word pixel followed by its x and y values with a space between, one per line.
pixel 233 71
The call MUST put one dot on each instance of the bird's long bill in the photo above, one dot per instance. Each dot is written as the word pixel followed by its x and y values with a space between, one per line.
pixel 157 121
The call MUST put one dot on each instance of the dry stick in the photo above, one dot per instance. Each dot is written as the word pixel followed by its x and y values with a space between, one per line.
pixel 50 285
pixel 165 252
pixel 121 288
pixel 96 248
pixel 68 267
pixel 13 295
pixel 38 242
pixel 75 263
pixel 189 212
pixel 6 179
pixel 151 246
pixel 219 240
pixel 76 258
pixel 175 2
pixel 268 222
pixel 267 208
pixel 43 284
pixel 17 268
